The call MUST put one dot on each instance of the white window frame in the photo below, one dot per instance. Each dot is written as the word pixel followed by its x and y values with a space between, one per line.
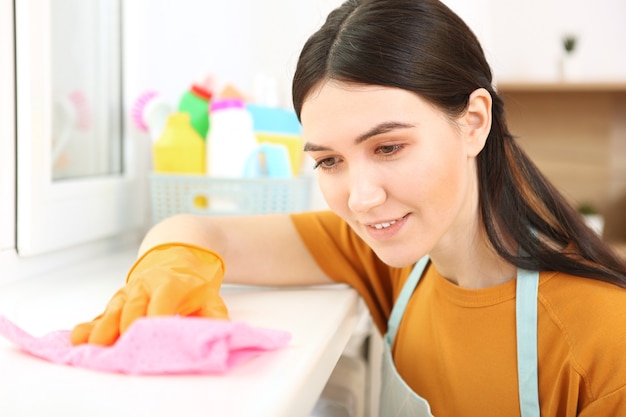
pixel 53 215
pixel 7 127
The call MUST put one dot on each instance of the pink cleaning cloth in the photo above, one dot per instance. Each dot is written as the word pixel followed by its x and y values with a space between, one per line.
pixel 157 346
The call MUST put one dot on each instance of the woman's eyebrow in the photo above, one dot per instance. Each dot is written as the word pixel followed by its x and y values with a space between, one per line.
pixel 374 131
pixel 311 147
pixel 381 128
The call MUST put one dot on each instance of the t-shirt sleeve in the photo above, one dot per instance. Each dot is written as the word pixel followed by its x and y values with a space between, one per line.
pixel 346 258
pixel 613 404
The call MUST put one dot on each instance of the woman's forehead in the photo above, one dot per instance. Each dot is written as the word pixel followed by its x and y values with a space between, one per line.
pixel 336 108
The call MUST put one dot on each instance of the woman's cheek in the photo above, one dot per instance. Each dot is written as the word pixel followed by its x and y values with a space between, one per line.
pixel 332 192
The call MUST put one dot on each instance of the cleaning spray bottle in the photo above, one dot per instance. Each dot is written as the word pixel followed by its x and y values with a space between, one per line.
pixel 179 149
pixel 231 139
pixel 196 101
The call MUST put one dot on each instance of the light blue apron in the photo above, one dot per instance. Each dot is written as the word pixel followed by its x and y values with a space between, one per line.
pixel 397 399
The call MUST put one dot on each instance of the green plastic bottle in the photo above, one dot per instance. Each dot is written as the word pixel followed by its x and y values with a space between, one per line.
pixel 179 149
pixel 195 102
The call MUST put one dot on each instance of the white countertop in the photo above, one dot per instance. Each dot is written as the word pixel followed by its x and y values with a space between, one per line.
pixel 285 383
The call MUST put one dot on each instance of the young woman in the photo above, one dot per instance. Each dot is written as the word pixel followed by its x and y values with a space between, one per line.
pixel 495 299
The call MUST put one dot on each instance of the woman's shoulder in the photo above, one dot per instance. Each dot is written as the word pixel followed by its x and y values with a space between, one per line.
pixel 587 319
pixel 591 314
pixel 563 290
pixel 582 303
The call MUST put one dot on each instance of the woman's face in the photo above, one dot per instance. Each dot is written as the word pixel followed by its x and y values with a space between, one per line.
pixel 398 170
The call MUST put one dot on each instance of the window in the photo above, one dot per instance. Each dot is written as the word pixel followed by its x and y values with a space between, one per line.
pixel 7 128
pixel 75 179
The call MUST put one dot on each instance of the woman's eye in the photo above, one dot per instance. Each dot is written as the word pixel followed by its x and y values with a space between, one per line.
pixel 388 149
pixel 327 163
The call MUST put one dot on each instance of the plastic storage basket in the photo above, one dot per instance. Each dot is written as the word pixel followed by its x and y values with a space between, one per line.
pixel 198 194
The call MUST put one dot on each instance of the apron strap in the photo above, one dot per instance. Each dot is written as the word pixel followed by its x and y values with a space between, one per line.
pixel 405 294
pixel 526 326
pixel 527 287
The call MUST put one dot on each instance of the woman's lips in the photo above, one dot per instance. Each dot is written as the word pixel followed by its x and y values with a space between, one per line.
pixel 385 229
pixel 383 225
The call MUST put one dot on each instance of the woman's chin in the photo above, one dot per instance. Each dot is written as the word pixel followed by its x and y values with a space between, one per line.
pixel 395 259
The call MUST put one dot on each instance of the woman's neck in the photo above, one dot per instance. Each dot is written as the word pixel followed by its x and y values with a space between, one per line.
pixel 471 262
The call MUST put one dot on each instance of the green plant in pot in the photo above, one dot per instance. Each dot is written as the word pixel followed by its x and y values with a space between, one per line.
pixel 569 43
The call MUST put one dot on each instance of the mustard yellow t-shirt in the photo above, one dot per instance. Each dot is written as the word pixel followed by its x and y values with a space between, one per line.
pixel 456 347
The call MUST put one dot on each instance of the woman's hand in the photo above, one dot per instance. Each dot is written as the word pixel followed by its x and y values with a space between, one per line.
pixel 169 279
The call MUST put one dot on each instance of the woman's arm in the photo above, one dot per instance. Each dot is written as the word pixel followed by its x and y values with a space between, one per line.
pixel 257 250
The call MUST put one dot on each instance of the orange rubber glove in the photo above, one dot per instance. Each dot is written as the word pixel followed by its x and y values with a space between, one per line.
pixel 169 279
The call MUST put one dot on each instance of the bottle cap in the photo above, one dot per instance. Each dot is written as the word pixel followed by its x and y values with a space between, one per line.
pixel 202 92
pixel 227 103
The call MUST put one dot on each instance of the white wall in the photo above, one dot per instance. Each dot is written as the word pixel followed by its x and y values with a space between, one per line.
pixel 527 38
pixel 171 43
pixel 522 38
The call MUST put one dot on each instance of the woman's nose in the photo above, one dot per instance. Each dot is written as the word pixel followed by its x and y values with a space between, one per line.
pixel 365 193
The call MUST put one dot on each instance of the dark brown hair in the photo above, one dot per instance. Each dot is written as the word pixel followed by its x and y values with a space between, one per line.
pixel 424 47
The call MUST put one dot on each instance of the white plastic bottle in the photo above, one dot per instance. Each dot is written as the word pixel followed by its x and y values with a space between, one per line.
pixel 230 140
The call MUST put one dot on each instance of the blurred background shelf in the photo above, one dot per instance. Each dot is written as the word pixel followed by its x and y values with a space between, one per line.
pixel 518 86
pixel 576 134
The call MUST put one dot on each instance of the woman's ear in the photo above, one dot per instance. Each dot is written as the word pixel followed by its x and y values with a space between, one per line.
pixel 477 120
